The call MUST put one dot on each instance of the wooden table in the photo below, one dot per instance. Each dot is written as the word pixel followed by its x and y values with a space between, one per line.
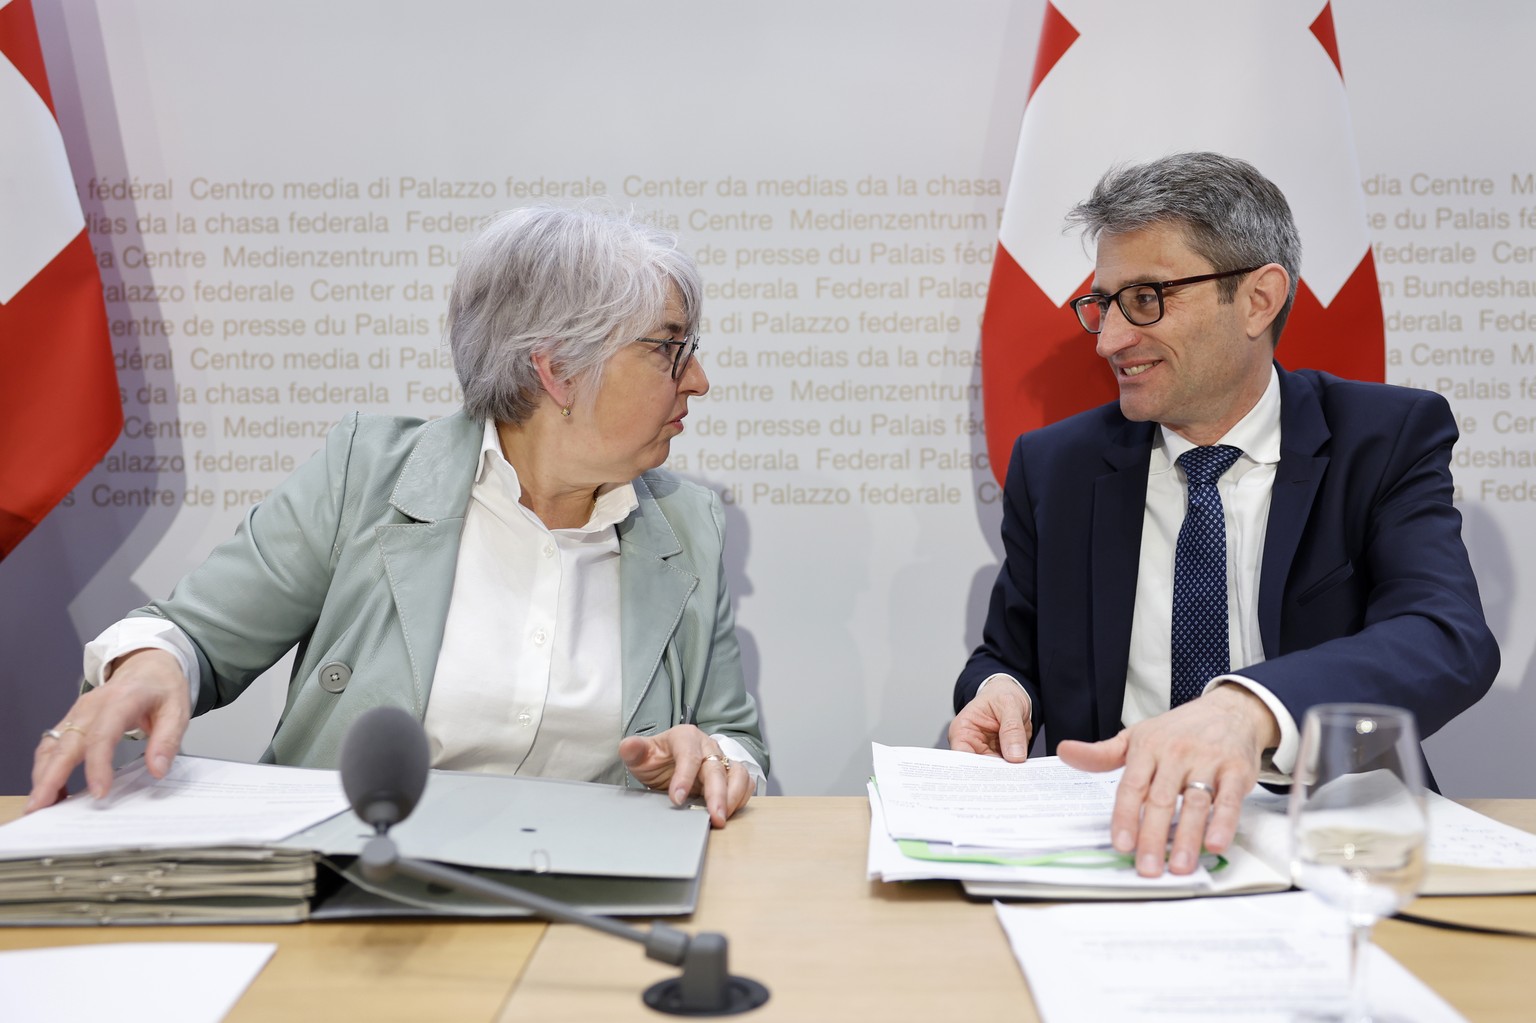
pixel 785 882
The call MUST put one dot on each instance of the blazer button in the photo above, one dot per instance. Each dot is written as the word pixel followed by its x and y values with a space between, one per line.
pixel 334 677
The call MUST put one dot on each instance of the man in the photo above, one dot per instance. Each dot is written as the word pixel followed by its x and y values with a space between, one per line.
pixel 1320 561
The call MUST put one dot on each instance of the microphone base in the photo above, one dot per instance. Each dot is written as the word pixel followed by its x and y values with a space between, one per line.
pixel 742 994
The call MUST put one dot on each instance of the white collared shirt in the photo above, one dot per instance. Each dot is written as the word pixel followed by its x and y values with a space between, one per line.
pixel 529 677
pixel 1245 491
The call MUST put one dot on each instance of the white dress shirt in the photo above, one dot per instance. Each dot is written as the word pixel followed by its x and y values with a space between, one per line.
pixel 1245 491
pixel 528 680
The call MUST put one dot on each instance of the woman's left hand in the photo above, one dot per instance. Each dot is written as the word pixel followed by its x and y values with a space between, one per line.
pixel 687 763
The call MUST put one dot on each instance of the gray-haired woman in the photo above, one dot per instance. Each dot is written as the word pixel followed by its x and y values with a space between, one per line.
pixel 519 575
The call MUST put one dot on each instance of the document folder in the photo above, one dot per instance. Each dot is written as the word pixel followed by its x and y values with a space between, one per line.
pixel 140 857
pixel 601 848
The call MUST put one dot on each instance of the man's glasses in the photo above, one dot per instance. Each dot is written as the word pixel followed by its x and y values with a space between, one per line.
pixel 682 350
pixel 1142 304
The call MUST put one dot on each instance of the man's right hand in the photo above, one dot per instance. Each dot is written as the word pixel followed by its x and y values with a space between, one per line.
pixel 995 723
pixel 147 690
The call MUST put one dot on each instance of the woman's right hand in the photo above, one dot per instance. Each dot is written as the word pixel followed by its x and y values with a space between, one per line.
pixel 146 690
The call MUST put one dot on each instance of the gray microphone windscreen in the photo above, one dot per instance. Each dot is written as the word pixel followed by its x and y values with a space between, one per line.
pixel 384 761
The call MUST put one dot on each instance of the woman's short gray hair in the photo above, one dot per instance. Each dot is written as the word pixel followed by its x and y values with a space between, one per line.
pixel 1232 216
pixel 574 283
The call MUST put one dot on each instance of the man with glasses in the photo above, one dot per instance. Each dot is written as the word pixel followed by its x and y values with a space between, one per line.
pixel 1189 568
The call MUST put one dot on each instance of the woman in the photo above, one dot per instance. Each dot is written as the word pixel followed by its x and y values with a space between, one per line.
pixel 515 574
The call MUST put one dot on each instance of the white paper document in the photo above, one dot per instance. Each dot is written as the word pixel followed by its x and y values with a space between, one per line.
pixel 1101 868
pixel 152 982
pixel 1460 837
pixel 1245 959
pixel 966 799
pixel 198 803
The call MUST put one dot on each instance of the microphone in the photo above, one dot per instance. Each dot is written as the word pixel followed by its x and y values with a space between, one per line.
pixel 384 761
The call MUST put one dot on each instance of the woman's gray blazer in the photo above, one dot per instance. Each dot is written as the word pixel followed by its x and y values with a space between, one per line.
pixel 352 559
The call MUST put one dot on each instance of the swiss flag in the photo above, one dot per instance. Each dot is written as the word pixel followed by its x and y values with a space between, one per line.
pixel 59 404
pixel 1115 83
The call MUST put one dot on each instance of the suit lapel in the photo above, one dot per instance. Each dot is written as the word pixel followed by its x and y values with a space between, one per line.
pixel 1119 502
pixel 652 595
pixel 1303 433
pixel 420 555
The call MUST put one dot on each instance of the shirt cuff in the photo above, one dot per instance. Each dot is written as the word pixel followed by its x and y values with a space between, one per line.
pixel 995 677
pixel 740 757
pixel 1276 765
pixel 1029 705
pixel 132 634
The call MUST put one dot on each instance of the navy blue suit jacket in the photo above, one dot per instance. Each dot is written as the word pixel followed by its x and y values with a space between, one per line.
pixel 1365 592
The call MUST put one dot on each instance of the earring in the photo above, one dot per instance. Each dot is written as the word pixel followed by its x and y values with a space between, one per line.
pixel 566 411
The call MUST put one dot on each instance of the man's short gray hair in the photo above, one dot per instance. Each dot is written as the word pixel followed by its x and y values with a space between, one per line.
pixel 575 283
pixel 1231 215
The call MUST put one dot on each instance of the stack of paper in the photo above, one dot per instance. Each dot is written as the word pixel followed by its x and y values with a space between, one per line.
pixel 205 844
pixel 1469 854
pixel 203 885
pixel 1039 829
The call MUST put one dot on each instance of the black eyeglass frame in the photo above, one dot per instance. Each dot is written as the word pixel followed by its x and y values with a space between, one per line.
pixel 1094 298
pixel 682 355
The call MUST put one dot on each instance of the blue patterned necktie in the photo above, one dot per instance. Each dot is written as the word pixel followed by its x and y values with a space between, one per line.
pixel 1200 577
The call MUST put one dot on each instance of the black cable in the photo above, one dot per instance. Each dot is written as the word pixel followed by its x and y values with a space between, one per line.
pixel 1451 925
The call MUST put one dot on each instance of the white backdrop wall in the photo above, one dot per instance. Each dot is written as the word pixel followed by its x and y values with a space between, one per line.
pixel 277 192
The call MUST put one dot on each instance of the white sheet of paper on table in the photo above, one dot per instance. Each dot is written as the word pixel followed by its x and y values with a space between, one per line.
pixel 149 982
pixel 1244 959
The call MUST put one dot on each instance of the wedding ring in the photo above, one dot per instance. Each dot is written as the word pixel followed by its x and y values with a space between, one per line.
pixel 1201 786
pixel 70 726
pixel 52 733
pixel 724 760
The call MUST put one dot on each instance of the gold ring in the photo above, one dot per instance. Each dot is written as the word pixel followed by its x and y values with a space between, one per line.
pixel 724 760
pixel 70 726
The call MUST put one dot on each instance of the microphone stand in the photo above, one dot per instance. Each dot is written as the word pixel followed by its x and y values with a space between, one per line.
pixel 704 988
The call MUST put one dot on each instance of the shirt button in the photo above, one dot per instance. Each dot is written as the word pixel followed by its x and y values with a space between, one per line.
pixel 549 550
pixel 525 719
pixel 539 636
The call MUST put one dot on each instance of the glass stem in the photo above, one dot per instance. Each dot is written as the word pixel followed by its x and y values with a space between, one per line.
pixel 1359 945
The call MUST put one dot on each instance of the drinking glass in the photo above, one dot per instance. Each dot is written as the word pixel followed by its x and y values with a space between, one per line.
pixel 1358 823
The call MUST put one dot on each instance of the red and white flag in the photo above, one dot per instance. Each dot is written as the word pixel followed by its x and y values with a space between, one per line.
pixel 1117 83
pixel 59 405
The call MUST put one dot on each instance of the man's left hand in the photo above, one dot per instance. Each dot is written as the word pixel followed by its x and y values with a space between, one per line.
pixel 1216 740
